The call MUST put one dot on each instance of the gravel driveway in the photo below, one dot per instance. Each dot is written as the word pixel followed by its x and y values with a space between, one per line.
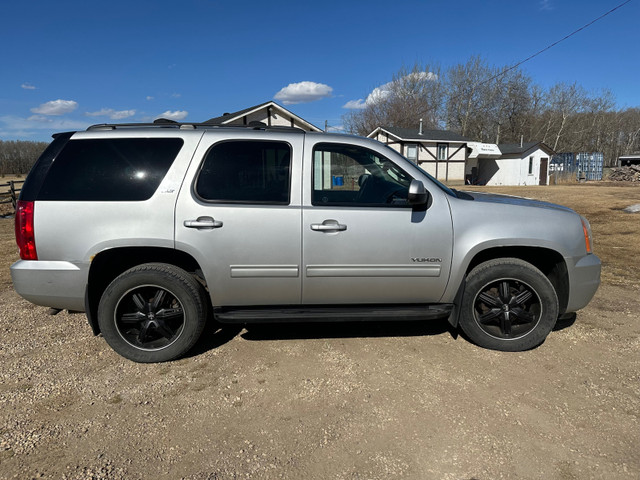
pixel 326 401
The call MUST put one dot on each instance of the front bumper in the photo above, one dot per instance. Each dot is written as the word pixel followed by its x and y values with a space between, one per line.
pixel 51 284
pixel 584 280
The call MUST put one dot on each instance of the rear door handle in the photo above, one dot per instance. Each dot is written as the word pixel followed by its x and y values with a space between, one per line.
pixel 203 223
pixel 328 226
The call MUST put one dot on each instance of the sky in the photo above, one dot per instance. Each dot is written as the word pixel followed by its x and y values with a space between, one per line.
pixel 66 65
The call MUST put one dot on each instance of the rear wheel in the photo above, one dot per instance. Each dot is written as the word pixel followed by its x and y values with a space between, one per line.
pixel 508 305
pixel 152 313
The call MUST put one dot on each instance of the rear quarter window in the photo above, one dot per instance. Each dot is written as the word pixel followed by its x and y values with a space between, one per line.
pixel 119 169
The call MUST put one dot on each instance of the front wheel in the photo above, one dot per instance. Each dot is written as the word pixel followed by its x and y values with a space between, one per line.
pixel 152 313
pixel 508 305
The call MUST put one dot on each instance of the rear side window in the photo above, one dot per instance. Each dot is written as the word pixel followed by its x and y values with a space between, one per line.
pixel 119 169
pixel 246 172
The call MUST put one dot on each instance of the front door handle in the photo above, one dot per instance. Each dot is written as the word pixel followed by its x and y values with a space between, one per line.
pixel 328 226
pixel 202 223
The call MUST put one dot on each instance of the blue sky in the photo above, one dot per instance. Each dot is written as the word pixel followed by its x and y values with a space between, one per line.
pixel 70 64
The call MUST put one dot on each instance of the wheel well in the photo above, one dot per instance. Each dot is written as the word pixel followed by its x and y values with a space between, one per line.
pixel 108 264
pixel 549 262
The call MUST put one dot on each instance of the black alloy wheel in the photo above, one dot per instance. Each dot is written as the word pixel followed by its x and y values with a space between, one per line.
pixel 149 317
pixel 508 304
pixel 507 308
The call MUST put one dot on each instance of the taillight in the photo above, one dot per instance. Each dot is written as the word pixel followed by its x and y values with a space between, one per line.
pixel 25 236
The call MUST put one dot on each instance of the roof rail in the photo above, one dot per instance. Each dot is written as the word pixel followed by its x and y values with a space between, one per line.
pixel 165 123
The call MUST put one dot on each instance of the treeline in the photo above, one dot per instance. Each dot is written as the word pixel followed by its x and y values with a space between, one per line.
pixel 500 105
pixel 17 157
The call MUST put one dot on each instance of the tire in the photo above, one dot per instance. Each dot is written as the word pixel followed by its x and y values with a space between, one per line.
pixel 508 305
pixel 152 313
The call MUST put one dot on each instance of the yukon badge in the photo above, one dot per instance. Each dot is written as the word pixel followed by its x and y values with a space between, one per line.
pixel 426 260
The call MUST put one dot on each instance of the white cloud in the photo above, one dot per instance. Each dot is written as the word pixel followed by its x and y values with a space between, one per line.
pixel 174 115
pixel 355 104
pixel 383 91
pixel 545 5
pixel 56 107
pixel 39 118
pixel 36 127
pixel 42 121
pixel 27 86
pixel 112 114
pixel 149 97
pixel 303 92
pixel 176 95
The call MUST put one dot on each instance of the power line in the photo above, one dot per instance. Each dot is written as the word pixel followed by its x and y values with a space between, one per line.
pixel 556 42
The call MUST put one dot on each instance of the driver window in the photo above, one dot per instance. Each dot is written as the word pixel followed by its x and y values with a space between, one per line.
pixel 355 176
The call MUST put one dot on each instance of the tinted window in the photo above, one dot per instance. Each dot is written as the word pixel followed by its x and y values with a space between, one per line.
pixel 38 174
pixel 350 175
pixel 123 169
pixel 246 172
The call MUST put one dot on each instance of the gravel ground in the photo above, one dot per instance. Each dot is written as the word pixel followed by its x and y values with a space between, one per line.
pixel 347 401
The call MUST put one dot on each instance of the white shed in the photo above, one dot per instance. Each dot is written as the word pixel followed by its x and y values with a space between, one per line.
pixel 518 164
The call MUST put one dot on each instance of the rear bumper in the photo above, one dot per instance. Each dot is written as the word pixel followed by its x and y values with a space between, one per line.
pixel 51 284
pixel 584 280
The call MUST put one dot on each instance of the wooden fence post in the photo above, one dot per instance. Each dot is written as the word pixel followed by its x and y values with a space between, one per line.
pixel 12 191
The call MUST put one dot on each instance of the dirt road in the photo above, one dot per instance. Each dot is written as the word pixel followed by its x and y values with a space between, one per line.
pixel 348 401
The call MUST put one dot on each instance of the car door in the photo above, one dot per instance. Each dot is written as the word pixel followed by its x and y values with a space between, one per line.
pixel 362 241
pixel 239 216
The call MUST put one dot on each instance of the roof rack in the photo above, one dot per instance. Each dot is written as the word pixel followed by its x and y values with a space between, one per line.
pixel 166 123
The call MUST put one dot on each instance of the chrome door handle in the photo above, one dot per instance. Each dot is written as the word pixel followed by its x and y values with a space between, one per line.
pixel 328 226
pixel 203 222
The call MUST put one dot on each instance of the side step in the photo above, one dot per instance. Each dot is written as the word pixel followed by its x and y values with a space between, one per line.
pixel 323 313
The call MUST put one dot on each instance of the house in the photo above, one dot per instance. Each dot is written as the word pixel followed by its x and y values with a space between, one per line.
pixel 518 164
pixel 269 113
pixel 441 153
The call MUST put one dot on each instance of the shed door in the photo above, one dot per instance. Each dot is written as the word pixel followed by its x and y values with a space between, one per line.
pixel 544 168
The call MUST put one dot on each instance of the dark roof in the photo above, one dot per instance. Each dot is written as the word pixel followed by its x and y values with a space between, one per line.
pixel 239 113
pixel 517 149
pixel 413 134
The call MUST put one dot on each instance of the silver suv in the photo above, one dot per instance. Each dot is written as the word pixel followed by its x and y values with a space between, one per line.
pixel 153 229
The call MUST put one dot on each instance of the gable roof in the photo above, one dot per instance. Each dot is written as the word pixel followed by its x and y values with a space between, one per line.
pixel 231 117
pixel 413 134
pixel 516 149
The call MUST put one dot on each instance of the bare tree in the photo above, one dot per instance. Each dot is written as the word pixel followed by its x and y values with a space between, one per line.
pixel 17 157
pixel 411 95
pixel 501 105
pixel 467 96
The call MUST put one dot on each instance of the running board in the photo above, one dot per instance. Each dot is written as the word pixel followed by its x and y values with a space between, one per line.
pixel 323 313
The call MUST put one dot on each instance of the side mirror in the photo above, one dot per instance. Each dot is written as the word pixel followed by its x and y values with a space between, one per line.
pixel 418 195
